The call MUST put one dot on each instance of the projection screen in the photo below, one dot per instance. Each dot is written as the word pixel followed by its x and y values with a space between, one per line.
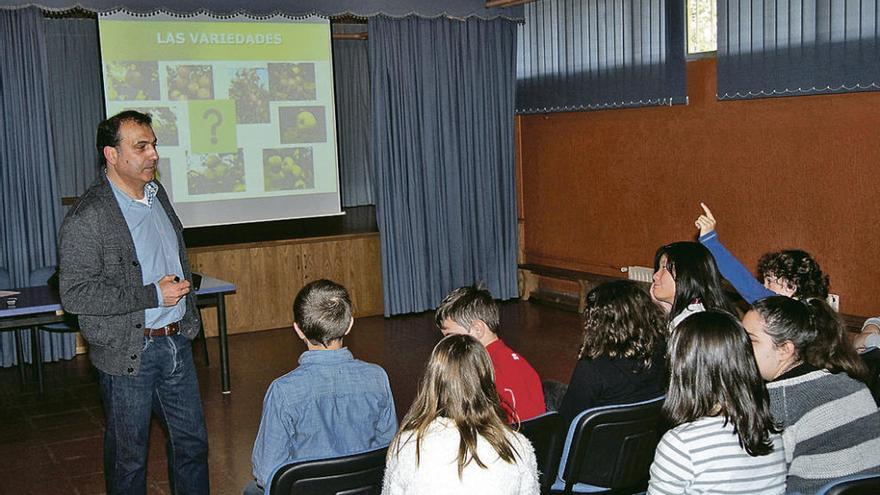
pixel 243 111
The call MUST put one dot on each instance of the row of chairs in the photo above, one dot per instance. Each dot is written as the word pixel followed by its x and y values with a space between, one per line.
pixel 605 450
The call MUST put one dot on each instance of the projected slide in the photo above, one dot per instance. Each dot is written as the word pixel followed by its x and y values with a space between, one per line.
pixel 242 110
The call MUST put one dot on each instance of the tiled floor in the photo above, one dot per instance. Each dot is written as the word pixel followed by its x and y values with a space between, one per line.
pixel 53 443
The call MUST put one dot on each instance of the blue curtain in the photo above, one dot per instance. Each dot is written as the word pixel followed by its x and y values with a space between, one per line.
pixel 29 196
pixel 74 65
pixel 597 54
pixel 782 48
pixel 360 8
pixel 351 76
pixel 443 109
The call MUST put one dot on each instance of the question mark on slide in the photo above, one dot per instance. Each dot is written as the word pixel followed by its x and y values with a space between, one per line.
pixel 209 112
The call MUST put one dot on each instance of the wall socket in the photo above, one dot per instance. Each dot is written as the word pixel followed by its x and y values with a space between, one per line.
pixel 834 301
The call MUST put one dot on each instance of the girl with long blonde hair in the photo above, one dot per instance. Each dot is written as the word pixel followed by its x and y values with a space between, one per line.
pixel 454 438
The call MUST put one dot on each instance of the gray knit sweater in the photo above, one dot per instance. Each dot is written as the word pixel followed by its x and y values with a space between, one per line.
pixel 100 279
pixel 832 427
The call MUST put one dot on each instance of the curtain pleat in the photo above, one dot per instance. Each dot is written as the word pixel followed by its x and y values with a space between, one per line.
pixel 351 75
pixel 29 193
pixel 75 65
pixel 443 108
pixel 597 54
pixel 785 48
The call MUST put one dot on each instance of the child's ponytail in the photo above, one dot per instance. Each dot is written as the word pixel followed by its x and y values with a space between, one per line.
pixel 830 349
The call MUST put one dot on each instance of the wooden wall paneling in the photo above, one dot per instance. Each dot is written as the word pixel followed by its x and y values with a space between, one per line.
pixel 268 275
pixel 604 189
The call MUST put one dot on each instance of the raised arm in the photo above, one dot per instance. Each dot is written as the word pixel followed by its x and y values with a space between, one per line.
pixel 735 272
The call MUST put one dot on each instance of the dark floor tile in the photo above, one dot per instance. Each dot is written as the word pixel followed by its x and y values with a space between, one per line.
pixel 89 484
pixel 36 481
pixel 74 431
pixel 23 455
pixel 79 457
pixel 63 419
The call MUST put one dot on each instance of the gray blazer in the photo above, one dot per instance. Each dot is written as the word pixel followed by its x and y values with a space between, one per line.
pixel 100 279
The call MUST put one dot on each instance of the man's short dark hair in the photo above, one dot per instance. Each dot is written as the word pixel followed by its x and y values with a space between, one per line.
pixel 322 311
pixel 108 130
pixel 466 304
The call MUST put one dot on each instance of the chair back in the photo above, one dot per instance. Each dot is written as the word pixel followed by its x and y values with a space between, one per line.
pixel 860 484
pixel 358 474
pixel 611 447
pixel 41 276
pixel 547 433
pixel 5 280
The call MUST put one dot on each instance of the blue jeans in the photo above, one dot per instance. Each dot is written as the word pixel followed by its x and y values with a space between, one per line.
pixel 167 385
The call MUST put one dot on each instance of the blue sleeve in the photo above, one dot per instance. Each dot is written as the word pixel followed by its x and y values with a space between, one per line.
pixel 738 275
pixel 273 444
pixel 386 427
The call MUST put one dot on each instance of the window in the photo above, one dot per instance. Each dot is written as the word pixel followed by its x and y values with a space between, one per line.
pixel 702 31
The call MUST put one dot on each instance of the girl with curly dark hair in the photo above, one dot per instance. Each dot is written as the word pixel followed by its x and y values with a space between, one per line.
pixel 622 358
pixel 791 272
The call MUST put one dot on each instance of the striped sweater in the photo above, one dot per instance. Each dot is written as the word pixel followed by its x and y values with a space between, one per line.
pixel 832 427
pixel 704 457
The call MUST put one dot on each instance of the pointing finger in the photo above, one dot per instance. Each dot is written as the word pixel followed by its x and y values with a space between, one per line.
pixel 708 211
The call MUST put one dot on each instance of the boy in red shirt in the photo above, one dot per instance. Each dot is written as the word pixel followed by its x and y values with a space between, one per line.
pixel 471 310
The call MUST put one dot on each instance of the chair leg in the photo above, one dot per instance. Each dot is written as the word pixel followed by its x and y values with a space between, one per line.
pixel 19 355
pixel 204 339
pixel 36 346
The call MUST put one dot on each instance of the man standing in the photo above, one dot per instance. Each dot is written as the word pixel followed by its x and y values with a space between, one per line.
pixel 124 272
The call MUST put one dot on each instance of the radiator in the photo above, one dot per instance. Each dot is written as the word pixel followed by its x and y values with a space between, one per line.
pixel 638 273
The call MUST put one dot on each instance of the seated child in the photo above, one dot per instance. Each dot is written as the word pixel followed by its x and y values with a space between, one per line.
pixel 623 355
pixel 723 438
pixel 332 405
pixel 454 438
pixel 791 273
pixel 471 310
pixel 686 281
pixel 830 420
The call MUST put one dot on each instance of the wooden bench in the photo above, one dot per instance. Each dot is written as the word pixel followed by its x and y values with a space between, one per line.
pixel 529 274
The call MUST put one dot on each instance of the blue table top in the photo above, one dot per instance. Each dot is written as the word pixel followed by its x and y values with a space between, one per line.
pixel 43 299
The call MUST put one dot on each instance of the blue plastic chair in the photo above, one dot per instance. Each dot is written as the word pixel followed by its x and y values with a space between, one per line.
pixel 546 433
pixel 609 449
pixel 859 484
pixel 353 474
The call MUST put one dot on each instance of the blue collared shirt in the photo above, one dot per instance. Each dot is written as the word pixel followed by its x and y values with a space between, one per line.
pixel 332 405
pixel 156 245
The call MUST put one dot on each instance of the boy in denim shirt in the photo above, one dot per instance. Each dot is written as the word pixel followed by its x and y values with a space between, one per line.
pixel 332 405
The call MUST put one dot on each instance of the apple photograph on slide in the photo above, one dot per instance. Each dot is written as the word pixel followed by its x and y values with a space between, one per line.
pixel 243 110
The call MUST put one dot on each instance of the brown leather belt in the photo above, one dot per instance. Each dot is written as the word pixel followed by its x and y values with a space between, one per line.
pixel 166 331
